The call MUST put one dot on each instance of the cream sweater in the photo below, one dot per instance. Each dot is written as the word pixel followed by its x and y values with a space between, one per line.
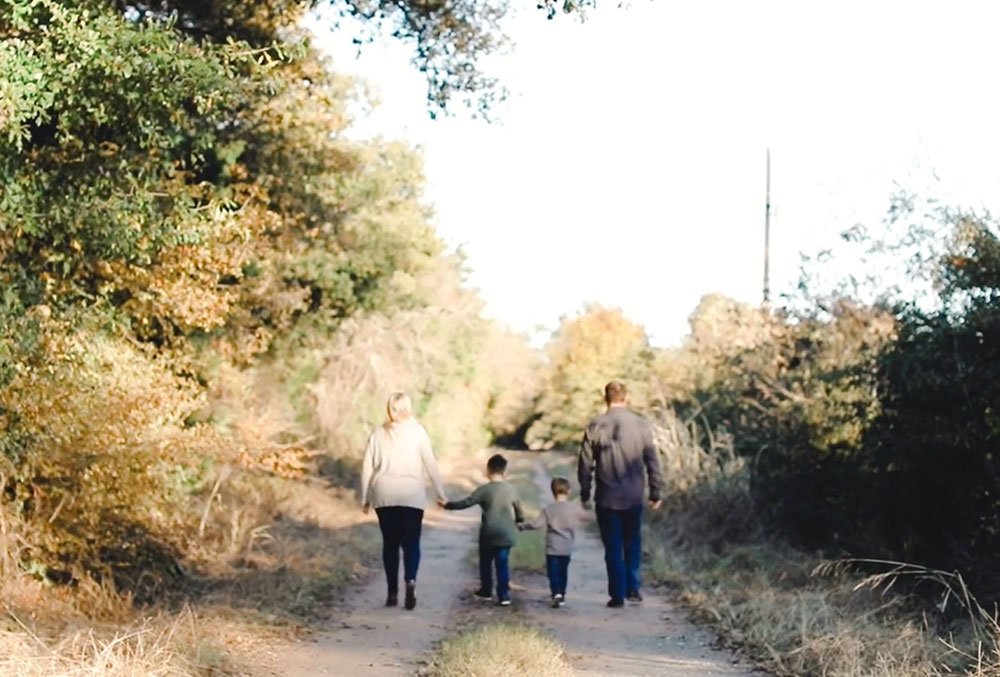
pixel 396 459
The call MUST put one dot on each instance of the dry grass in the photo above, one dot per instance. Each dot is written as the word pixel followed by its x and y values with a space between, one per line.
pixel 794 618
pixel 499 650
pixel 276 553
pixel 786 613
pixel 290 566
pixel 162 645
pixel 763 599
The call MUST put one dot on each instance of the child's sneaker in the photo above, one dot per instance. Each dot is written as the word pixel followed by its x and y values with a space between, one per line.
pixel 557 601
pixel 483 594
pixel 505 602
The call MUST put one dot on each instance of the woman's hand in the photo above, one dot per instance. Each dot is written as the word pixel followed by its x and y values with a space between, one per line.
pixel 442 502
pixel 365 508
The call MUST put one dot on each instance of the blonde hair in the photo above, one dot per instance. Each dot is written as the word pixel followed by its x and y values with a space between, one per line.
pixel 399 408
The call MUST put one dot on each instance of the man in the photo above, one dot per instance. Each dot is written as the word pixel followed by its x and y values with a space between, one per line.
pixel 618 450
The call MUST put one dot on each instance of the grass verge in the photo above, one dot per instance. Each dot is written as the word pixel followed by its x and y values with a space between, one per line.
pixel 529 553
pixel 275 556
pixel 499 650
pixel 792 616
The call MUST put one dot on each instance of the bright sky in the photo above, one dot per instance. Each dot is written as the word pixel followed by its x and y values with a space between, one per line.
pixel 628 165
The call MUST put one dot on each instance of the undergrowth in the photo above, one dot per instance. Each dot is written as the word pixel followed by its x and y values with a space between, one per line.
pixel 275 553
pixel 794 612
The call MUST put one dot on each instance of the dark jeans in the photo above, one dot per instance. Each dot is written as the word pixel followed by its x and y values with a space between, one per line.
pixel 621 531
pixel 557 567
pixel 400 529
pixel 491 556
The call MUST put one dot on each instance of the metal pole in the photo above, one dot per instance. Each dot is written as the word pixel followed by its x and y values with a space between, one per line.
pixel 767 234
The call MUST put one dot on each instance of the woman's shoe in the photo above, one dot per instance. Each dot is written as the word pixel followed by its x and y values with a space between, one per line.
pixel 411 595
pixel 392 599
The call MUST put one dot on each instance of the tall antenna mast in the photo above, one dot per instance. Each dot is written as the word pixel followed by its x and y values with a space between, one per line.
pixel 767 234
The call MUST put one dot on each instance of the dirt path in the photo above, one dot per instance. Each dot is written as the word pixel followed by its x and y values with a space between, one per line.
pixel 367 639
pixel 651 638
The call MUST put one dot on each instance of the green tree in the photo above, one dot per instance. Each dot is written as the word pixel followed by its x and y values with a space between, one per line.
pixel 450 39
pixel 586 352
pixel 178 199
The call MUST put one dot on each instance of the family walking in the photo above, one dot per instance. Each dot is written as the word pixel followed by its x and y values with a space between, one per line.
pixel 617 460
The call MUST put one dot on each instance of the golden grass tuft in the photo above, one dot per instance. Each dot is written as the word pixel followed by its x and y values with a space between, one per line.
pixel 165 644
pixel 500 650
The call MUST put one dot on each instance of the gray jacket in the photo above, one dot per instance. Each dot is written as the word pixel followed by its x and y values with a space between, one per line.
pixel 618 451
pixel 559 519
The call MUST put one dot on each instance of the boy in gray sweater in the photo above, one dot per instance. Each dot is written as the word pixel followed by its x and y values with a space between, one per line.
pixel 559 519
pixel 498 533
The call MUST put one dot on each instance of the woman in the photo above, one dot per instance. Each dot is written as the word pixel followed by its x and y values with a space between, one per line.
pixel 392 481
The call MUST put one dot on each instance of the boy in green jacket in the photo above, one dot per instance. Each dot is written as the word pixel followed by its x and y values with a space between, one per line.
pixel 498 533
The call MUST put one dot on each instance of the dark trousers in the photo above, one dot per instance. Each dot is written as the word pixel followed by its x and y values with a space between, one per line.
pixel 400 529
pixel 621 531
pixel 557 567
pixel 490 557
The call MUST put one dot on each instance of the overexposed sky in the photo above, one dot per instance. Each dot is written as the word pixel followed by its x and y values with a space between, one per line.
pixel 627 167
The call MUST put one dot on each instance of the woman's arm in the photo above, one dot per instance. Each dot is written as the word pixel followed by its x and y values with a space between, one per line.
pixel 430 464
pixel 367 469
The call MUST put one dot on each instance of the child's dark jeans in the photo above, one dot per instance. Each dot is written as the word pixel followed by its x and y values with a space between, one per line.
pixel 490 556
pixel 558 570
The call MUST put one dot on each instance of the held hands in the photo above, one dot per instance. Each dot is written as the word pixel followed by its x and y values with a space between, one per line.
pixel 442 502
pixel 365 508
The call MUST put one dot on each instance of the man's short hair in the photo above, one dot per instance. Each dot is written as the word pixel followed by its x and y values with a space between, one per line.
pixel 560 486
pixel 497 465
pixel 614 392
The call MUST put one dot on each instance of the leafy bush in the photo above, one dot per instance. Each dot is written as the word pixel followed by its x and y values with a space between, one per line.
pixel 869 429
pixel 585 353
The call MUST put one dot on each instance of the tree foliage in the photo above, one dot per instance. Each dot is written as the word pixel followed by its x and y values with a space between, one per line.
pixel 870 429
pixel 450 40
pixel 181 208
pixel 586 352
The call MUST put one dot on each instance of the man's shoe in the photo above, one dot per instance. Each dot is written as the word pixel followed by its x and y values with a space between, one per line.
pixel 483 594
pixel 634 596
pixel 392 600
pixel 505 602
pixel 557 601
pixel 615 603
pixel 411 595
